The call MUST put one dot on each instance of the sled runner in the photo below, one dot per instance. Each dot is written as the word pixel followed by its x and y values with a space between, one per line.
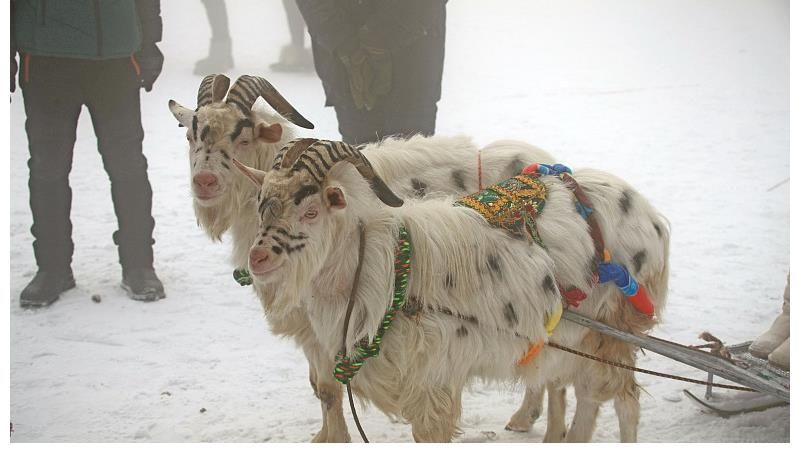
pixel 726 405
pixel 743 368
pixel 729 404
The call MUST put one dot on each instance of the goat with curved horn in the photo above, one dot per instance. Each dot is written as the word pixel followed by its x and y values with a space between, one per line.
pixel 247 89
pixel 211 89
pixel 317 158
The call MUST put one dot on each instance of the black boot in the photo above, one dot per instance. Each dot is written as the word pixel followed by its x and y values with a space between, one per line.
pixel 142 284
pixel 45 288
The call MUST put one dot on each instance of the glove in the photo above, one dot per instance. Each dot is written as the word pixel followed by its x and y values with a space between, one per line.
pixel 370 73
pixel 13 73
pixel 150 61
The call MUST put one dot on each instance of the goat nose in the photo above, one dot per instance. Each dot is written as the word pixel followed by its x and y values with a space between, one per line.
pixel 205 179
pixel 259 256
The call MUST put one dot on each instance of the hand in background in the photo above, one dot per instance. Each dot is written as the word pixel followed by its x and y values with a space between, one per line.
pixel 13 73
pixel 370 72
pixel 150 60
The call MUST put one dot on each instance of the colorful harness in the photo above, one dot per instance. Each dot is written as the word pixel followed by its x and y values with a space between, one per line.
pixel 515 203
pixel 346 366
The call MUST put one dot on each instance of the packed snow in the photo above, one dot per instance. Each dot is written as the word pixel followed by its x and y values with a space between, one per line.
pixel 688 100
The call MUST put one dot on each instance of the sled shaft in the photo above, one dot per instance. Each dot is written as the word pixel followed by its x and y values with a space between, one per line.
pixel 699 359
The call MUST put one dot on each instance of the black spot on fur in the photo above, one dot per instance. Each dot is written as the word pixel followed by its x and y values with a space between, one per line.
pixel 194 128
pixel 510 314
pixel 304 192
pixel 207 158
pixel 458 179
pixel 448 281
pixel 494 263
pixel 462 331
pixel 658 229
pixel 225 165
pixel 204 133
pixel 299 236
pixel 260 242
pixel 638 260
pixel 277 249
pixel 224 154
pixel 240 125
pixel 548 284
pixel 625 201
pixel 290 250
pixel 419 187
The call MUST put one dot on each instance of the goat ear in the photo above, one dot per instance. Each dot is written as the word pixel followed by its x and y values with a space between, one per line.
pixel 257 176
pixel 269 133
pixel 334 198
pixel 183 114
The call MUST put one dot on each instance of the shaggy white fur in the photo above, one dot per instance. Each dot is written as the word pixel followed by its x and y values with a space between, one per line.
pixel 428 167
pixel 481 295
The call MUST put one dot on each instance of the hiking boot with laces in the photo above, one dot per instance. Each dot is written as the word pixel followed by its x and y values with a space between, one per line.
pixel 46 287
pixel 142 284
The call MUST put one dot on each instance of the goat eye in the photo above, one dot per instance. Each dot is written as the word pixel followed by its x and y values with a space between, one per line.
pixel 310 214
pixel 244 142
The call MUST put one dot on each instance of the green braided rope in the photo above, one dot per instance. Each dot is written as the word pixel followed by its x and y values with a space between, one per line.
pixel 347 367
pixel 242 276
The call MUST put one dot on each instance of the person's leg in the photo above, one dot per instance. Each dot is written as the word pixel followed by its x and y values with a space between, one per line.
pixel 294 57
pixel 51 92
pixel 297 26
pixel 220 55
pixel 407 122
pixel 357 126
pixel 112 96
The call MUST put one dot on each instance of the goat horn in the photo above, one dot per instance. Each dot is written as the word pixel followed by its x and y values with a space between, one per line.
pixel 211 89
pixel 319 156
pixel 247 89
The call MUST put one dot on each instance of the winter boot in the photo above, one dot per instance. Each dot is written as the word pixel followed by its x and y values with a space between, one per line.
pixel 220 58
pixel 780 356
pixel 294 59
pixel 45 288
pixel 777 333
pixel 142 284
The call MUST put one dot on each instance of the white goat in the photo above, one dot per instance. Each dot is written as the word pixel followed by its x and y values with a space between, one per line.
pixel 478 297
pixel 220 130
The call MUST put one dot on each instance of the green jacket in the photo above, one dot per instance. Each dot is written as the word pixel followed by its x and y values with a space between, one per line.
pixel 90 29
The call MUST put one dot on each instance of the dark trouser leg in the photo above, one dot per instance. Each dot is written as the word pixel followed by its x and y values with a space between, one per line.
pixel 357 126
pixel 52 97
pixel 112 94
pixel 420 119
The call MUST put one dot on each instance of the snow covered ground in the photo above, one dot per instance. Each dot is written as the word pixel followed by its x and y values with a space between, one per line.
pixel 686 99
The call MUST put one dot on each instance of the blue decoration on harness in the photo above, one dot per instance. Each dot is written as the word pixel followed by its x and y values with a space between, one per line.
pixel 612 271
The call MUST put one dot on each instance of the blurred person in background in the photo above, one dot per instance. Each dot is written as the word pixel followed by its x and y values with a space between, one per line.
pixel 380 62
pixel 98 54
pixel 773 344
pixel 220 54
pixel 294 57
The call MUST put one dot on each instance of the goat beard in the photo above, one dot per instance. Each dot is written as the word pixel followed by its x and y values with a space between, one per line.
pixel 291 285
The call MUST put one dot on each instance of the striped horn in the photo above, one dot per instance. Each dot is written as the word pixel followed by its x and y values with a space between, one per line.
pixel 319 157
pixel 247 89
pixel 211 89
